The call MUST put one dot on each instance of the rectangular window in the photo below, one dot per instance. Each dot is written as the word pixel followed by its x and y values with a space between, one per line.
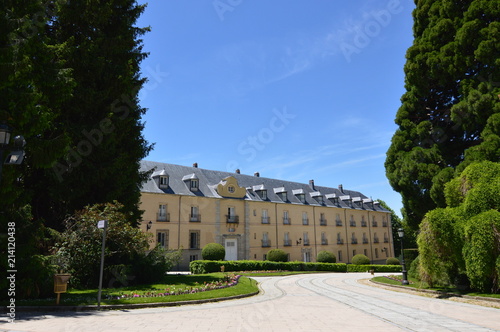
pixel 339 239
pixel 265 217
pixel 324 240
pixel 162 213
pixel 194 239
pixel 306 238
pixel 162 239
pixel 365 252
pixel 193 184
pixel 231 215
pixel 376 252
pixel 322 220
pixel 286 219
pixel 340 255
pixel 193 258
pixel 338 221
pixel 354 253
pixel 163 181
pixel 265 240
pixel 194 216
pixel 286 241
pixel 305 220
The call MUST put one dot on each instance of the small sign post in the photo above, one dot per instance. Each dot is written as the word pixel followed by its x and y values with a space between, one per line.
pixel 102 224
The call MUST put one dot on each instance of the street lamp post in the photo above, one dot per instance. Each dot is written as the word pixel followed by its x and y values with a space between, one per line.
pixel 401 234
pixel 17 154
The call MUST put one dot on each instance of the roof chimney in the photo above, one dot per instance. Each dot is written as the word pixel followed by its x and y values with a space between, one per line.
pixel 238 171
pixel 341 188
pixel 195 165
pixel 311 184
pixel 256 174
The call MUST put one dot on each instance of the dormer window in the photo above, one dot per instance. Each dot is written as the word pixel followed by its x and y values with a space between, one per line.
pixel 163 181
pixel 300 194
pixel 262 194
pixel 191 181
pixel 301 198
pixel 281 192
pixel 318 197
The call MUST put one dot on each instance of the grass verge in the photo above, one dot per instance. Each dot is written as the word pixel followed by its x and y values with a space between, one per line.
pixel 416 284
pixel 170 284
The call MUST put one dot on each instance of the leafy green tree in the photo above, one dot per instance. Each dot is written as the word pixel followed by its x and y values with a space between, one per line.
pixel 82 241
pixel 449 113
pixel 34 85
pixel 102 119
pixel 464 238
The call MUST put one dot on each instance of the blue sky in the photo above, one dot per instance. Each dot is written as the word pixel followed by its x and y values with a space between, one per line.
pixel 294 89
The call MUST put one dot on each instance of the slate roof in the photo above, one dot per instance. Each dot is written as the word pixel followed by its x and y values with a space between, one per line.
pixel 209 179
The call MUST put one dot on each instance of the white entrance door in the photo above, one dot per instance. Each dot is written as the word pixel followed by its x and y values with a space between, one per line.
pixel 231 246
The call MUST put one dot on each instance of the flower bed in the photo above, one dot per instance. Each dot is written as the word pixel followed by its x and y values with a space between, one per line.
pixel 228 281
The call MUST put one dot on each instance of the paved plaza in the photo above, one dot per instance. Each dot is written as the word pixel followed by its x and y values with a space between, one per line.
pixel 312 302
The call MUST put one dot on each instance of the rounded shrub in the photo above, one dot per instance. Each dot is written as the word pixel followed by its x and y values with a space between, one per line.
pixel 326 257
pixel 360 259
pixel 213 252
pixel 392 261
pixel 277 255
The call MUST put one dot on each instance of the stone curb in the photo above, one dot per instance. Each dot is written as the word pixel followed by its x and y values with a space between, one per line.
pixel 124 306
pixel 429 291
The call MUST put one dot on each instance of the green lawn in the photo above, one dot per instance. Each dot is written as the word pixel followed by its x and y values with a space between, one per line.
pixel 422 285
pixel 171 284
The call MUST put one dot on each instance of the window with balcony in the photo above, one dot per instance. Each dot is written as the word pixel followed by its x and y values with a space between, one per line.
pixel 339 238
pixel 265 240
pixel 265 217
pixel 374 222
pixel 386 238
pixel 286 240
pixel 365 239
pixel 352 222
pixel 305 219
pixel 338 221
pixel 322 219
pixel 354 240
pixel 162 214
pixel 363 221
pixel 375 238
pixel 231 216
pixel 306 239
pixel 324 239
pixel 286 218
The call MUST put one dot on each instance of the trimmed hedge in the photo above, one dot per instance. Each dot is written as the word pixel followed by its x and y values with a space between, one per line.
pixel 203 266
pixel 325 256
pixel 213 252
pixel 376 268
pixel 277 255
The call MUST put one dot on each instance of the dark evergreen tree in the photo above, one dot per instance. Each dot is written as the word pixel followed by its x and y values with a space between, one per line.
pixel 450 112
pixel 103 118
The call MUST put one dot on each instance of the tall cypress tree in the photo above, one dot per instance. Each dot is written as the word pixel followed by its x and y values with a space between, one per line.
pixel 102 119
pixel 449 112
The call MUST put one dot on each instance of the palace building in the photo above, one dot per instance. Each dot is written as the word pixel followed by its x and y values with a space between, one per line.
pixel 189 207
